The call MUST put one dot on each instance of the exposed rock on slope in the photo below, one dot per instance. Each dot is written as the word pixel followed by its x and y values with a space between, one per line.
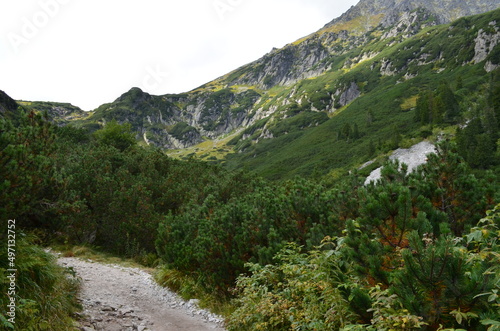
pixel 412 157
pixel 179 121
pixel 485 42
pixel 59 113
pixel 392 10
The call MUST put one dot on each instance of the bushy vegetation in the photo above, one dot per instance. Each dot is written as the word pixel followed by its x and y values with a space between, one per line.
pixel 317 252
pixel 216 238
pixel 415 255
pixel 100 189
pixel 405 249
pixel 45 293
pixel 435 283
pixel 181 129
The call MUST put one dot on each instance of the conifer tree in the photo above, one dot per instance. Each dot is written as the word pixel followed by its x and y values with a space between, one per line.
pixel 370 118
pixel 371 148
pixel 346 132
pixel 455 194
pixel 387 215
pixel 447 100
pixel 438 109
pixel 355 133
pixel 494 93
pixel 423 113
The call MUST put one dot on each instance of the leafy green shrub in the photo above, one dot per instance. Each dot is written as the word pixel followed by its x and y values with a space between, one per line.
pixel 410 258
pixel 117 135
pixel 299 292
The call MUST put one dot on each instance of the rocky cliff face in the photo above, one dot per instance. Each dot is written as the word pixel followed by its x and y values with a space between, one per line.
pixel 310 56
pixel 444 11
pixel 290 64
pixel 485 42
pixel 180 121
pixel 60 113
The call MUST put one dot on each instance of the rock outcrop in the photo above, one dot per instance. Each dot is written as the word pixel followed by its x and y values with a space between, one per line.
pixel 180 121
pixel 412 157
pixel 485 42
pixel 393 10
pixel 350 94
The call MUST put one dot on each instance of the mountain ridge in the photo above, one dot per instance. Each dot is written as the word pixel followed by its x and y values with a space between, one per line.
pixel 445 11
pixel 310 81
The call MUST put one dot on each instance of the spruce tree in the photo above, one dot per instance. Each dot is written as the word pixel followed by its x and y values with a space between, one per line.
pixel 494 93
pixel 425 110
pixel 451 109
pixel 355 133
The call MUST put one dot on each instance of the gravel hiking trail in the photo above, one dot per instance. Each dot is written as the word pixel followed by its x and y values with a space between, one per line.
pixel 116 298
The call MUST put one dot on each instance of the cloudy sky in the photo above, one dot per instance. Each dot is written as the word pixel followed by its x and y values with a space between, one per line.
pixel 89 52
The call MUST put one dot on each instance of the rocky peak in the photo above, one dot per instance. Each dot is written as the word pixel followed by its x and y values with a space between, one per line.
pixel 309 56
pixel 135 94
pixel 392 10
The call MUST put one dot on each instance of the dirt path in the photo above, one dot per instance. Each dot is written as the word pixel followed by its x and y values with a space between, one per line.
pixel 117 298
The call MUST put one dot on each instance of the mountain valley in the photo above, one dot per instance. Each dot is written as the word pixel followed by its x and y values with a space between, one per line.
pixel 284 113
pixel 347 181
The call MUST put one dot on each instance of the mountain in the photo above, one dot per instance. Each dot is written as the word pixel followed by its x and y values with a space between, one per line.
pixel 328 100
pixel 393 10
pixel 180 121
pixel 59 113
pixel 7 104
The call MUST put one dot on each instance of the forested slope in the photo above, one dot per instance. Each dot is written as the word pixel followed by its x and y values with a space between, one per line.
pixel 281 227
pixel 417 240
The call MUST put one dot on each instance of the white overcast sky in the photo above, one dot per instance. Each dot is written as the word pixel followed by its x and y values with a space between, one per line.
pixel 89 52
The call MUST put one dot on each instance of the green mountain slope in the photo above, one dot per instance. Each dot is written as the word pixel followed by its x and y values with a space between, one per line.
pixel 332 100
pixel 388 86
pixel 413 251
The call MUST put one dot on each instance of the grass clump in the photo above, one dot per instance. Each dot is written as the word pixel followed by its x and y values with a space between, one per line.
pixel 45 293
pixel 188 288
